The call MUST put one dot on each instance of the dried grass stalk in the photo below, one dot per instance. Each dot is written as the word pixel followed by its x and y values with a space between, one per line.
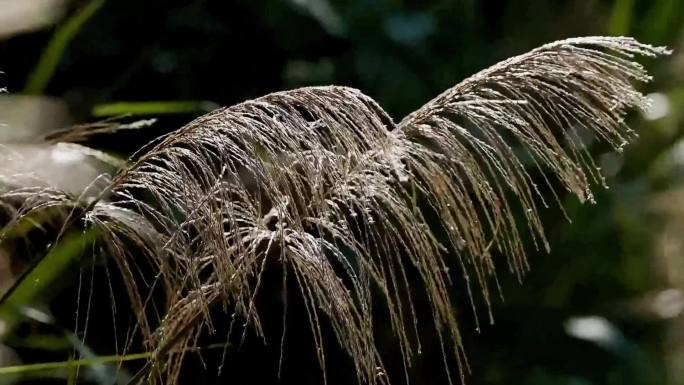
pixel 323 181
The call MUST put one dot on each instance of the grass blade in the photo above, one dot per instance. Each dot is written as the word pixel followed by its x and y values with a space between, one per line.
pixel 152 108
pixel 40 276
pixel 53 53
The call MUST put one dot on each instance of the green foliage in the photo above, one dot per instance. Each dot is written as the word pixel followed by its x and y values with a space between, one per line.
pixel 71 365
pixel 621 17
pixel 40 278
pixel 54 51
pixel 606 263
pixel 152 108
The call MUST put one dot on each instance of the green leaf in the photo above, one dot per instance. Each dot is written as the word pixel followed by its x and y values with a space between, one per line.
pixel 72 364
pixel 40 277
pixel 620 17
pixel 152 108
pixel 661 17
pixel 90 361
pixel 71 371
pixel 54 51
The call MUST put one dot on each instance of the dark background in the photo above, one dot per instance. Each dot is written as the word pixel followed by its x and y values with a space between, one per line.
pixel 603 307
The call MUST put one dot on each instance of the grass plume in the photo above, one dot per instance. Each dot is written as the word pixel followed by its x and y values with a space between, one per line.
pixel 322 181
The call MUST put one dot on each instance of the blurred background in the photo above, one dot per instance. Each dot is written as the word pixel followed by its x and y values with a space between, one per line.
pixel 603 307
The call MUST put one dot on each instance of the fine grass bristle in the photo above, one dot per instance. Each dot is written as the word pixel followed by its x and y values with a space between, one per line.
pixel 322 181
